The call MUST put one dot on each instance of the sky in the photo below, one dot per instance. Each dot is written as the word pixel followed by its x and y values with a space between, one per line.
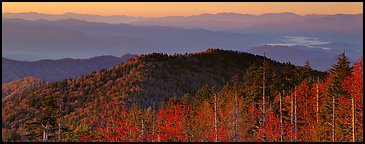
pixel 160 9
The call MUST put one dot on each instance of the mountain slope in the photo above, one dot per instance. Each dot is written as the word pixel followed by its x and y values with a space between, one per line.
pixel 54 70
pixel 19 86
pixel 148 79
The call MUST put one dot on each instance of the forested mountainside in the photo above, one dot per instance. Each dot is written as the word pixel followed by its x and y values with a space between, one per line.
pixel 54 70
pixel 147 80
pixel 18 86
pixel 321 110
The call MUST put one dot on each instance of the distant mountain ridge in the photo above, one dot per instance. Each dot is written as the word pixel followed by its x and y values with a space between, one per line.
pixel 297 55
pixel 79 39
pixel 54 70
pixel 268 22
pixel 88 17
pixel 44 37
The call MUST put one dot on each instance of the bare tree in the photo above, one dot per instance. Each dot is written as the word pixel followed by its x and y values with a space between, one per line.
pixel 263 102
pixel 215 117
pixel 292 117
pixel 142 130
pixel 60 128
pixel 317 110
pixel 281 120
pixel 253 114
pixel 353 119
pixel 45 131
pixel 235 118
pixel 333 119
pixel 295 114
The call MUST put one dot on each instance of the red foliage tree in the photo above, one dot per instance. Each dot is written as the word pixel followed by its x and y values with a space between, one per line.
pixel 353 84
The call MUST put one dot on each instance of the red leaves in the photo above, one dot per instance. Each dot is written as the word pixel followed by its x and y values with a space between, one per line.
pixel 172 122
pixel 181 123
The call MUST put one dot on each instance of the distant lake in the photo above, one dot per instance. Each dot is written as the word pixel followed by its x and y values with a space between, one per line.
pixel 302 41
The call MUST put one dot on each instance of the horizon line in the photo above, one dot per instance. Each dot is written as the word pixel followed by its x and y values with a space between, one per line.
pixel 179 15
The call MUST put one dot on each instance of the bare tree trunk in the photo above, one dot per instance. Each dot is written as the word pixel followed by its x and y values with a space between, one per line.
pixel 153 121
pixel 253 116
pixel 353 120
pixel 292 117
pixel 317 111
pixel 215 118
pixel 60 129
pixel 295 115
pixel 235 119
pixel 263 103
pixel 304 118
pixel 158 132
pixel 281 121
pixel 45 132
pixel 333 120
pixel 60 123
pixel 142 131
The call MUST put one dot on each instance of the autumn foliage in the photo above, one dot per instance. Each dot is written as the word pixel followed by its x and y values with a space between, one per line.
pixel 193 98
pixel 185 121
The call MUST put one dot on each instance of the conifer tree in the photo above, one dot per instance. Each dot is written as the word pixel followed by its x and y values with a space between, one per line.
pixel 338 73
pixel 47 122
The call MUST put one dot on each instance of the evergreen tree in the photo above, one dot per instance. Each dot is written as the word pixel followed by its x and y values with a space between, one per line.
pixel 205 94
pixel 47 122
pixel 307 70
pixel 339 71
pixel 253 81
pixel 288 77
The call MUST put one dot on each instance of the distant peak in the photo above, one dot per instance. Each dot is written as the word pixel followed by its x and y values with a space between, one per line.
pixel 29 13
pixel 102 57
pixel 213 50
pixel 126 54
pixel 72 20
pixel 205 14
pixel 208 51
pixel 69 13
pixel 282 13
pixel 72 13
pixel 228 13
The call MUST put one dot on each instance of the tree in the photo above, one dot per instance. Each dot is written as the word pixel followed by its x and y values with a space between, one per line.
pixel 114 126
pixel 235 89
pixel 47 122
pixel 281 120
pixel 289 80
pixel 263 102
pixel 338 73
pixel 171 122
pixel 354 86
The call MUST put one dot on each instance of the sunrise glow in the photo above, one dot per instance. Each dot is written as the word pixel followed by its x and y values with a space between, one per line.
pixel 160 9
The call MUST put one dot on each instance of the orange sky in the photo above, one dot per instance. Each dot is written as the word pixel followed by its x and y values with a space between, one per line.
pixel 159 9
